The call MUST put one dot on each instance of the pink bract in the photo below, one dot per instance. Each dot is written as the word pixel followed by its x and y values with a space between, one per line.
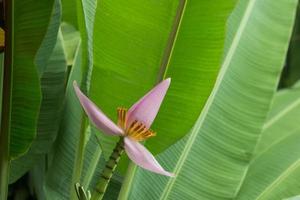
pixel 145 111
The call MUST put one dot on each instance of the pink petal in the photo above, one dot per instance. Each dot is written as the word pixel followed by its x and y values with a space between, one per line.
pixel 98 118
pixel 145 110
pixel 143 158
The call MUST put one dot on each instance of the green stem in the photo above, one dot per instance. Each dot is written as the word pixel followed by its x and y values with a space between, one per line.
pixel 79 157
pixel 107 172
pixel 6 101
pixel 127 183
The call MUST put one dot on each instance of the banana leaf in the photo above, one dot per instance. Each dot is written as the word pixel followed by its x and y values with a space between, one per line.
pixel 213 161
pixel 139 43
pixel 58 182
pixel 73 130
pixel 52 72
pixel 277 156
pixel 26 95
pixel 53 90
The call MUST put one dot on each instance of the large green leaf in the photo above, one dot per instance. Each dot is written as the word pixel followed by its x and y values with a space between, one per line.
pixel 137 43
pixel 51 72
pixel 129 42
pixel 193 66
pixel 53 89
pixel 59 177
pixel 212 162
pixel 81 14
pixel 30 21
pixel 278 154
pixel 45 51
pixel 86 15
pixel 70 156
pixel 86 20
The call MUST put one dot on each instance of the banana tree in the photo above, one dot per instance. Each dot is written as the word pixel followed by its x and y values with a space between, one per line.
pixel 223 130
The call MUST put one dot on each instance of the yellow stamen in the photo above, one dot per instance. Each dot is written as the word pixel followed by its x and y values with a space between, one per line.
pixel 137 130
pixel 122 117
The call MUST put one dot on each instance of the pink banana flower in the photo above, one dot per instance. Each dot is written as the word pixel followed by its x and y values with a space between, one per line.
pixel 133 125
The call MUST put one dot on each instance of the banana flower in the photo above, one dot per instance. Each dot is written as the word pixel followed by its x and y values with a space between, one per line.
pixel 133 124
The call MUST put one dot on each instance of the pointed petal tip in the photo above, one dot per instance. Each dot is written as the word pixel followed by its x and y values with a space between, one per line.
pixel 75 83
pixel 168 79
pixel 77 90
pixel 143 158
pixel 166 82
pixel 98 118
pixel 168 174
pixel 171 175
pixel 146 109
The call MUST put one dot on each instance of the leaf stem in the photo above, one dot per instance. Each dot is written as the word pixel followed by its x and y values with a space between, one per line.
pixel 6 100
pixel 79 157
pixel 108 170
pixel 127 183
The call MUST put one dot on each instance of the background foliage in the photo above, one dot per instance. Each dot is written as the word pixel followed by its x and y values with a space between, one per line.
pixel 223 128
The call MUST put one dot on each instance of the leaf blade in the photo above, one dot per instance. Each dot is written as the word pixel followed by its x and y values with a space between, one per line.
pixel 215 159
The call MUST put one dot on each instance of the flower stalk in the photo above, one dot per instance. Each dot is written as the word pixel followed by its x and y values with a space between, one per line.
pixel 108 171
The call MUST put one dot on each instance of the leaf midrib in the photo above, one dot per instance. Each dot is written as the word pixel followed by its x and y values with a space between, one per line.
pixel 281 114
pixel 294 131
pixel 277 181
pixel 285 173
pixel 220 77
pixel 168 52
